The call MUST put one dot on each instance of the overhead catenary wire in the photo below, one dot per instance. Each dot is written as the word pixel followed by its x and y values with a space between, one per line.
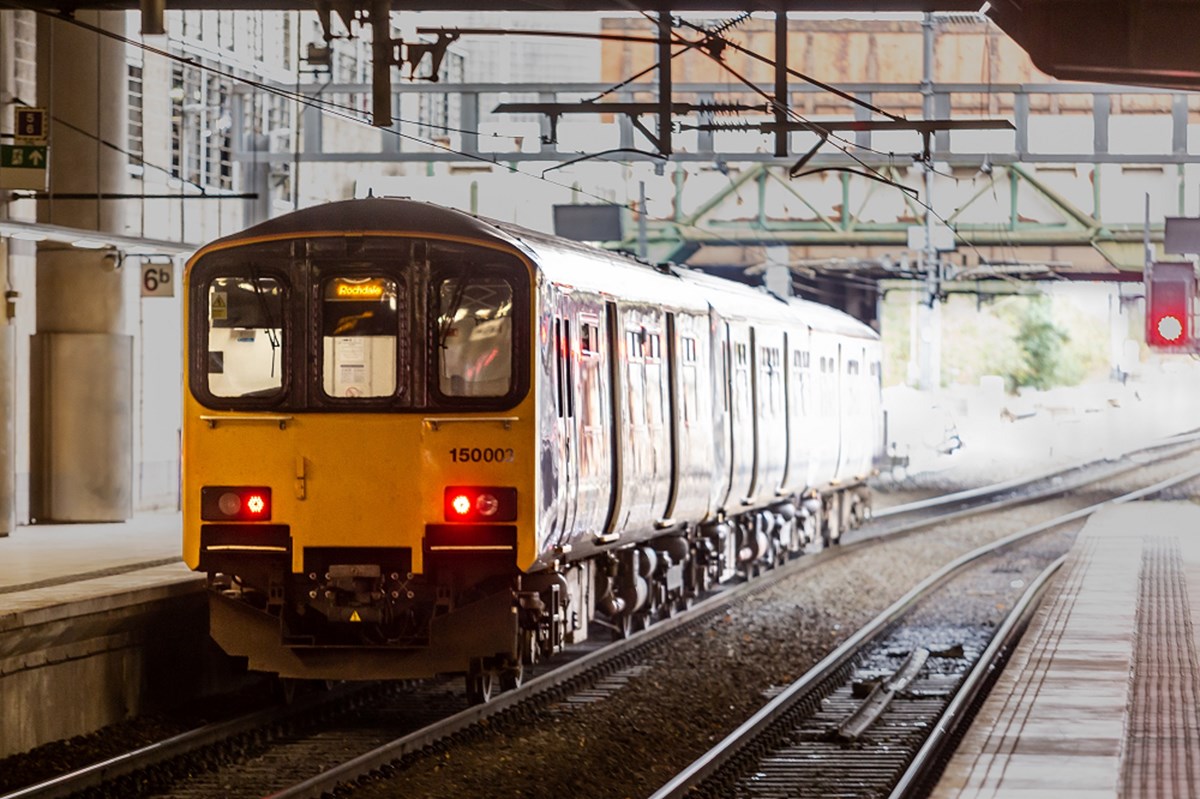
pixel 336 111
pixel 352 115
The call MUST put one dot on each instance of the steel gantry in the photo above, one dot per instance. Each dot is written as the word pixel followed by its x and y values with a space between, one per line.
pixel 1007 190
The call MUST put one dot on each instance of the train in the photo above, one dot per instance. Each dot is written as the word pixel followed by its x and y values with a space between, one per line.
pixel 419 442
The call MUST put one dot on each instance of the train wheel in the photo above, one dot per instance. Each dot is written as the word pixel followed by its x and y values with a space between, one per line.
pixel 528 647
pixel 622 625
pixel 511 677
pixel 480 683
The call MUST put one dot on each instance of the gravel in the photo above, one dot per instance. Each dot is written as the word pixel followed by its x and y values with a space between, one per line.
pixel 708 682
pixel 686 698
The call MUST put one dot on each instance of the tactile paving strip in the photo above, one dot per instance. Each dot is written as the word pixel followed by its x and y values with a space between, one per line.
pixel 1162 758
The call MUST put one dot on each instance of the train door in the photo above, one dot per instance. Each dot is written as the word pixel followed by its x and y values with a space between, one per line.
pixel 641 422
pixel 592 410
pixel 674 409
pixel 741 413
pixel 769 416
pixel 692 418
pixel 801 439
pixel 856 432
pixel 615 346
pixel 838 393
pixel 565 418
pixel 721 394
pixel 825 432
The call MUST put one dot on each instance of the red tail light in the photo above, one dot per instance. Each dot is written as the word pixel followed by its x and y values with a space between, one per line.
pixel 480 504
pixel 235 503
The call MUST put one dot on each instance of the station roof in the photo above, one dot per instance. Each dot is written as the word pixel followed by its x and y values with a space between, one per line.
pixel 1147 42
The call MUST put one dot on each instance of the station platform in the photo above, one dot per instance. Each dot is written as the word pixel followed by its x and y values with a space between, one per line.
pixel 1102 696
pixel 98 622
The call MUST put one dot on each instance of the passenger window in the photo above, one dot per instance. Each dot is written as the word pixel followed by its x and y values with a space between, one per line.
pixel 245 336
pixel 359 331
pixel 475 337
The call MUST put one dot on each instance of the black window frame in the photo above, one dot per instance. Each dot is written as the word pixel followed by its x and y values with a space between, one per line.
pixel 302 275
pixel 200 284
pixel 516 275
pixel 322 271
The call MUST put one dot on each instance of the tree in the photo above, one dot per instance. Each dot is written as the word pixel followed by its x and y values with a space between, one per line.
pixel 1041 342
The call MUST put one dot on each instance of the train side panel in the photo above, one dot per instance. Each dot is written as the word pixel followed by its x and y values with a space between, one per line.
pixel 826 421
pixel 641 422
pixel 801 453
pixel 741 416
pixel 854 404
pixel 770 414
pixel 695 446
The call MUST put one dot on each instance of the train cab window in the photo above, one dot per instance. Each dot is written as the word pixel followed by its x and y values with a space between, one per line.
pixel 475 332
pixel 359 333
pixel 245 336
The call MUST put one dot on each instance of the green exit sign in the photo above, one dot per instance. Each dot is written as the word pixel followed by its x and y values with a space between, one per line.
pixel 23 166
pixel 23 156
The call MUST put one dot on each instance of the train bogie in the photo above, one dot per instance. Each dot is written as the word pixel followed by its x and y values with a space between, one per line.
pixel 470 443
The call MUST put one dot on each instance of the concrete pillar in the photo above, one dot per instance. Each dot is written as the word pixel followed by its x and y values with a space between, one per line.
pixel 82 353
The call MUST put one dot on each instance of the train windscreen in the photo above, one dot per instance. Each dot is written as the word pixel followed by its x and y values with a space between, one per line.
pixel 245 336
pixel 475 337
pixel 373 323
pixel 359 338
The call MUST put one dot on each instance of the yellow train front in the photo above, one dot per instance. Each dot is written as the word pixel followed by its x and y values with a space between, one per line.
pixel 359 446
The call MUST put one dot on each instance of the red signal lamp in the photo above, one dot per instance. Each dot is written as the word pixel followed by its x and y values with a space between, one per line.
pixel 480 504
pixel 235 503
pixel 1170 296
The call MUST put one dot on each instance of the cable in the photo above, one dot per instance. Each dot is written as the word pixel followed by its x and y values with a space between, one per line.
pixel 340 111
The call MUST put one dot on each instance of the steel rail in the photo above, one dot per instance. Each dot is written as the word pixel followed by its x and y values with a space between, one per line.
pixel 1008 485
pixel 185 743
pixel 734 743
pixel 189 742
pixel 976 685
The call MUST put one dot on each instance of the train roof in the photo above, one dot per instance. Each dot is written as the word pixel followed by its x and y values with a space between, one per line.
pixel 584 266
pixel 369 215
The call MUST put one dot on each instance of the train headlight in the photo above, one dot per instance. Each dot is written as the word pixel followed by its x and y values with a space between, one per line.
pixel 235 503
pixel 487 504
pixel 480 503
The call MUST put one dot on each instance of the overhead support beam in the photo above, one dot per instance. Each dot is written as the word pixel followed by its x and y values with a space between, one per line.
pixel 381 63
pixel 781 83
pixel 664 82
pixel 152 17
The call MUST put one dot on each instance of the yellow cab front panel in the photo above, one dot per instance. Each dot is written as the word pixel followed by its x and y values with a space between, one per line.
pixel 359 449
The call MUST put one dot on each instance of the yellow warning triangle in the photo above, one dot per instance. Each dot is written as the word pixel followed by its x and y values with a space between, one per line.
pixel 354 616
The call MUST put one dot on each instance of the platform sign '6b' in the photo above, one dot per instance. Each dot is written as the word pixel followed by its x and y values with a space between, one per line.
pixel 158 280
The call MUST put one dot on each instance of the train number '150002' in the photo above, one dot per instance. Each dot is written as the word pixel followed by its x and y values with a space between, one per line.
pixel 482 455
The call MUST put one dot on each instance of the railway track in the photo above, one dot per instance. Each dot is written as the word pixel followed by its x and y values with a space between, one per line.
pixel 435 712
pixel 876 716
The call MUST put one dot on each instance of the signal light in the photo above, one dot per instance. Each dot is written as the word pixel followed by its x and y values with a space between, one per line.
pixel 480 504
pixel 1170 295
pixel 235 503
pixel 461 504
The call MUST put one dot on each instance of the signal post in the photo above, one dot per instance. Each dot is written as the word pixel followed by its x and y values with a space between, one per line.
pixel 1171 291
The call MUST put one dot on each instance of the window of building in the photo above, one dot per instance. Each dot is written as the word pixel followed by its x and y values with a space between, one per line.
pixel 135 140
